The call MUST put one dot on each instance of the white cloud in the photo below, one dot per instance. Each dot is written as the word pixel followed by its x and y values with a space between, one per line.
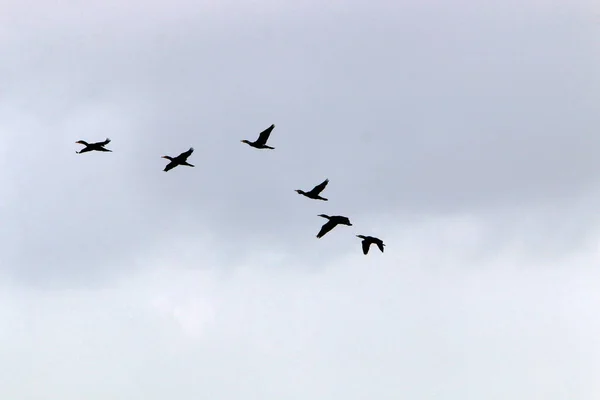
pixel 422 321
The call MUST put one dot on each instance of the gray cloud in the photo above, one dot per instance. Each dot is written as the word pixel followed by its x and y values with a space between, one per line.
pixel 464 135
pixel 474 112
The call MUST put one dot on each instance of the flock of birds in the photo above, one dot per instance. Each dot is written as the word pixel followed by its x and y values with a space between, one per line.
pixel 260 143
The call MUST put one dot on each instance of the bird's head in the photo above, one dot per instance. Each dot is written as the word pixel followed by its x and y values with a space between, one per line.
pixel 299 191
pixel 323 216
pixel 361 236
pixel 83 142
pixel 167 157
pixel 245 141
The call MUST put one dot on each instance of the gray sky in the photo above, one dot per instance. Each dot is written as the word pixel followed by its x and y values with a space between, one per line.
pixel 464 135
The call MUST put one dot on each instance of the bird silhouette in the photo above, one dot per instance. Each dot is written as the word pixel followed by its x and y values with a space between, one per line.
pixel 261 142
pixel 367 241
pixel 179 160
pixel 98 146
pixel 315 192
pixel 332 223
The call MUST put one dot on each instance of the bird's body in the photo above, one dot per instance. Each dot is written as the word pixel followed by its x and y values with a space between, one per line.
pixel 179 160
pixel 368 240
pixel 98 146
pixel 334 220
pixel 261 142
pixel 315 192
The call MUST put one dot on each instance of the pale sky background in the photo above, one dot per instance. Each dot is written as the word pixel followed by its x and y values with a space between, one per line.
pixel 465 134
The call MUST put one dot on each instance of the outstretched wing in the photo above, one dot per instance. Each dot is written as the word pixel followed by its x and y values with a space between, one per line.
pixel 84 150
pixel 264 135
pixel 183 156
pixel 365 246
pixel 170 165
pixel 329 225
pixel 319 188
pixel 107 141
pixel 380 245
pixel 344 220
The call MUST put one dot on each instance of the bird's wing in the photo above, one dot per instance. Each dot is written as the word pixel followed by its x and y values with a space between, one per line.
pixel 329 225
pixel 264 135
pixel 365 246
pixel 319 188
pixel 170 165
pixel 183 156
pixel 380 245
pixel 107 141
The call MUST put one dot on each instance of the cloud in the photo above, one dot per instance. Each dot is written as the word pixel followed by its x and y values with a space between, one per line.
pixel 463 135
pixel 418 321
pixel 460 117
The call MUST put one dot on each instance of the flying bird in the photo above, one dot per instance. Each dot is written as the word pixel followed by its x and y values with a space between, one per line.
pixel 367 241
pixel 98 146
pixel 179 160
pixel 315 192
pixel 333 221
pixel 261 142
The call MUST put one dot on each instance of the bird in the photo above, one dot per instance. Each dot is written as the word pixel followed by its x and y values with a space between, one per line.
pixel 261 142
pixel 179 160
pixel 368 240
pixel 315 192
pixel 98 146
pixel 333 221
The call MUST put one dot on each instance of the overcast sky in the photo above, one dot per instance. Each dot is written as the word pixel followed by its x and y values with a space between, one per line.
pixel 463 134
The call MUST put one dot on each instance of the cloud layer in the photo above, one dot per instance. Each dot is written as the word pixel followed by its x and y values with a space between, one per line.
pixel 448 324
pixel 464 135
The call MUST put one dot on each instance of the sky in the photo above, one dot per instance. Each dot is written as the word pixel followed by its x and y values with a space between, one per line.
pixel 463 134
